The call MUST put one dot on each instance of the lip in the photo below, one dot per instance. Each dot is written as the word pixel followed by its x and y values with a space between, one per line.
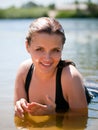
pixel 46 64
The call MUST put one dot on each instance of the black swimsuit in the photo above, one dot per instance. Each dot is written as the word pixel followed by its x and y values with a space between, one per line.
pixel 61 104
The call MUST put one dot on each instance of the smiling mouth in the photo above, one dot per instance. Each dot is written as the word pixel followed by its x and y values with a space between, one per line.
pixel 46 64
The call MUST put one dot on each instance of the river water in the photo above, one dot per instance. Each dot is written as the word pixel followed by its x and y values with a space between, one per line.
pixel 81 46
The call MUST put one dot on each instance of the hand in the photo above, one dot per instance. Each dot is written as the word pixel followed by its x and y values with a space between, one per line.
pixel 40 109
pixel 21 107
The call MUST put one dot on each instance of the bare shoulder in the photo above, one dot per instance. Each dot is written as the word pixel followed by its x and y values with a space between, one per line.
pixel 73 88
pixel 71 79
pixel 23 68
pixel 71 72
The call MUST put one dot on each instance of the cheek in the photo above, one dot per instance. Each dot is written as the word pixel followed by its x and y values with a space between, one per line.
pixel 57 59
pixel 57 56
pixel 35 57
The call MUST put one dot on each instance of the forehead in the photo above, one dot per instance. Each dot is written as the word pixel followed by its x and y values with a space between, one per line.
pixel 40 38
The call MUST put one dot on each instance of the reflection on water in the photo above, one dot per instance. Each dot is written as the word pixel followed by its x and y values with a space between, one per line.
pixel 54 122
pixel 67 121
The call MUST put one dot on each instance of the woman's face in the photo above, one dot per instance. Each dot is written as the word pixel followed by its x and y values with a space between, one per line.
pixel 45 50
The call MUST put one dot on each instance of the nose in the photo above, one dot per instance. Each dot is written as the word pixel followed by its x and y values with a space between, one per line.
pixel 47 56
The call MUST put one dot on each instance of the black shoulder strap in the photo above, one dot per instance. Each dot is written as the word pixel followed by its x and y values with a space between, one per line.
pixel 28 79
pixel 64 63
pixel 61 104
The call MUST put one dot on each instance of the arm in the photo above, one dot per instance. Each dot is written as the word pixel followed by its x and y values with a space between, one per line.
pixel 20 99
pixel 73 89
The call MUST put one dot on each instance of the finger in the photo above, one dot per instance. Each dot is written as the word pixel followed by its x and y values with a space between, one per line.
pixel 31 108
pixel 18 113
pixel 24 105
pixel 19 107
pixel 36 107
pixel 50 101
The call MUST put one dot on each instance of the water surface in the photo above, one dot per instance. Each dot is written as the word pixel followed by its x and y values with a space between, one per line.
pixel 81 46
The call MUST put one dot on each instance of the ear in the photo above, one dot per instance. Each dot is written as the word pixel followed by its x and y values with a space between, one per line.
pixel 27 46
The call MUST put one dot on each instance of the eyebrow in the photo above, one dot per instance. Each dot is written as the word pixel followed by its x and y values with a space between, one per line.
pixel 51 48
pixel 56 48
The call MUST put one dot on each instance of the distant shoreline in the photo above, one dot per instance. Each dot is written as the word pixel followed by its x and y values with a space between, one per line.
pixel 35 12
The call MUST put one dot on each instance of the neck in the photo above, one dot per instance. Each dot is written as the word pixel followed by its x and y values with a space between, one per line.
pixel 44 76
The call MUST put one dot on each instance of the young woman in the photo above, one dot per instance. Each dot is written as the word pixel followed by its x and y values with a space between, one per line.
pixel 46 84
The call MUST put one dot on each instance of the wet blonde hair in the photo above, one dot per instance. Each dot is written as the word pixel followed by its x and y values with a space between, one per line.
pixel 45 25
